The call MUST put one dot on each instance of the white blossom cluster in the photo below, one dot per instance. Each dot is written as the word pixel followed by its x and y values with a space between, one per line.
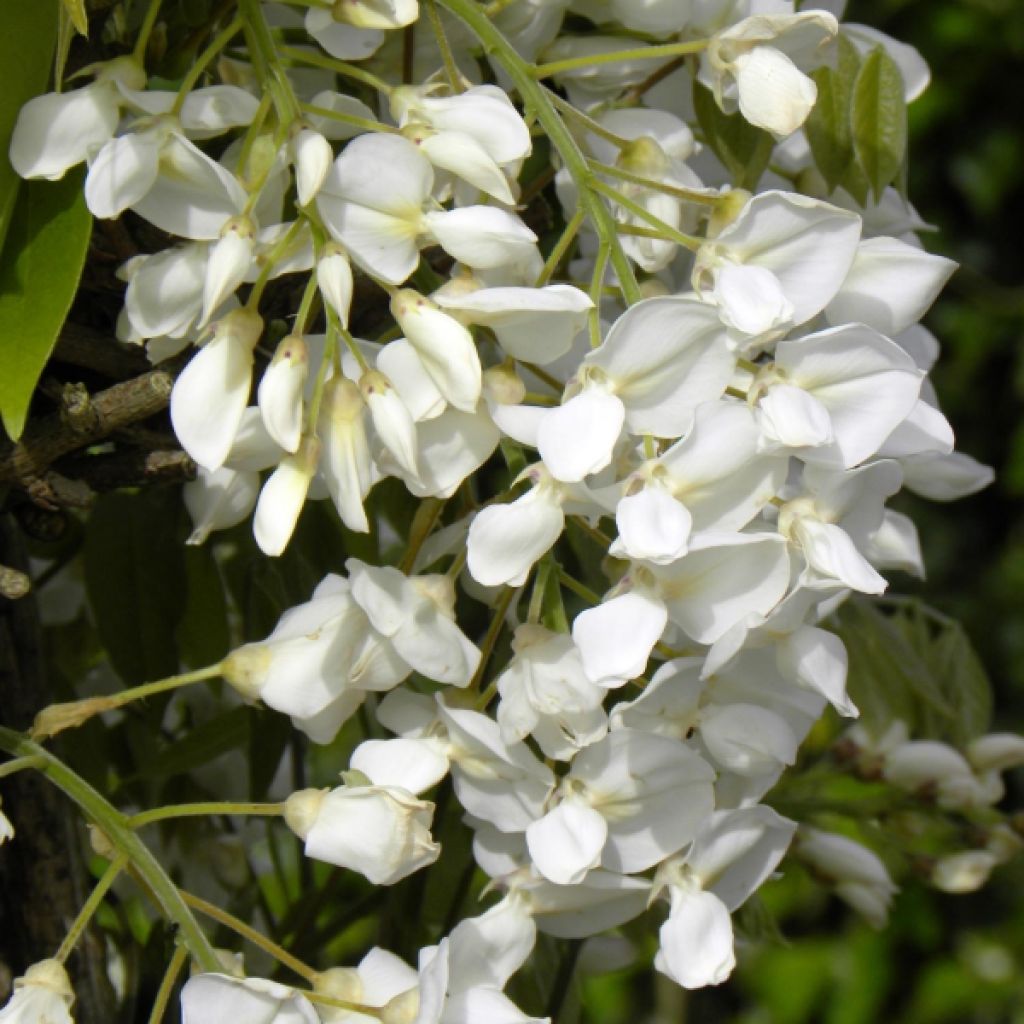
pixel 743 426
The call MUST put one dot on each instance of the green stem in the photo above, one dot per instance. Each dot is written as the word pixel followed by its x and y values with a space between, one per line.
pixel 595 127
pixel 19 764
pixel 145 31
pixel 305 312
pixel 293 963
pixel 202 61
pixel 450 70
pixel 196 810
pixel 578 588
pixel 686 194
pixel 271 261
pixel 493 632
pixel 669 232
pixel 91 905
pixel 536 97
pixel 561 247
pixel 423 523
pixel 357 122
pixel 596 283
pixel 267 61
pixel 112 822
pixel 617 56
pixel 318 60
pixel 163 993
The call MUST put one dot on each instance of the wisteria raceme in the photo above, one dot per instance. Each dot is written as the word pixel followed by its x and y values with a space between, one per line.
pixel 713 386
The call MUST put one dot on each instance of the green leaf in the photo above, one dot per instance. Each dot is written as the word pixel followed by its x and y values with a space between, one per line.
pixel 744 149
pixel 203 635
pixel 26 55
pixel 203 743
pixel 879 119
pixel 829 129
pixel 40 266
pixel 135 579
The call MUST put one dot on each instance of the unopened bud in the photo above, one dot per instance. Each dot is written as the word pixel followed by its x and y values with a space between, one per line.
pixel 301 810
pixel 280 392
pixel 334 278
pixel 312 156
pixel 246 669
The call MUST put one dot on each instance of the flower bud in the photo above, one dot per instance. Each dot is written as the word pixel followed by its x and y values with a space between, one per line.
pixel 391 419
pixel 312 156
pixel 246 669
pixel 229 262
pixel 43 993
pixel 280 392
pixel 347 468
pixel 996 752
pixel 283 496
pixel 963 872
pixel 334 278
pixel 301 810
pixel 444 346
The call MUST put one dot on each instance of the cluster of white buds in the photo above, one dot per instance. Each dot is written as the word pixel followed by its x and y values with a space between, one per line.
pixel 740 418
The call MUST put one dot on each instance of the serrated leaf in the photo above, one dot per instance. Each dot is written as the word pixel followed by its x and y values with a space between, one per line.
pixel 202 744
pixel 829 129
pixel 26 54
pixel 135 579
pixel 744 149
pixel 76 12
pixel 879 119
pixel 40 267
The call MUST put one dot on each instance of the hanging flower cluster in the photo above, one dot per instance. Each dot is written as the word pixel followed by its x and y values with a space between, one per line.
pixel 720 384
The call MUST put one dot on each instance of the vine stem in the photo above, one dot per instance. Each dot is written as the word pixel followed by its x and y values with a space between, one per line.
pixel 19 764
pixel 493 632
pixel 686 194
pixel 91 905
pixel 535 97
pixel 293 963
pixel 113 824
pixel 616 56
pixel 146 30
pixel 670 233
pixel 219 42
pixel 202 809
pixel 163 993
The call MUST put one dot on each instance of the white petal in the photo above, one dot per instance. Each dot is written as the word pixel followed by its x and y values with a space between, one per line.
pixel 280 392
pixel 381 243
pixel 229 261
pixel 334 279
pixel 664 357
pixel 123 171
pixel 653 526
pixel 486 113
pixel 830 551
pixel 413 764
pixel 391 419
pixel 793 417
pixel 505 540
pixel 58 130
pixel 578 438
pixel 482 237
pixel 346 466
pixel 747 739
pixel 807 244
pixel 773 93
pixel 216 108
pixel 313 157
pixel 722 580
pixel 346 42
pixel 444 346
pixel 218 500
pixel 381 172
pixel 209 398
pixel 466 158
pixel 750 299
pixel 616 638
pixel 696 941
pixel 193 195
pixel 817 659
pixel 890 285
pixel 567 842
pixel 282 498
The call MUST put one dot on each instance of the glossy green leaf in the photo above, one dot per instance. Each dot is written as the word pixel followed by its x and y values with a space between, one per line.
pixel 135 579
pixel 40 267
pixel 742 148
pixel 829 129
pixel 26 57
pixel 879 119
